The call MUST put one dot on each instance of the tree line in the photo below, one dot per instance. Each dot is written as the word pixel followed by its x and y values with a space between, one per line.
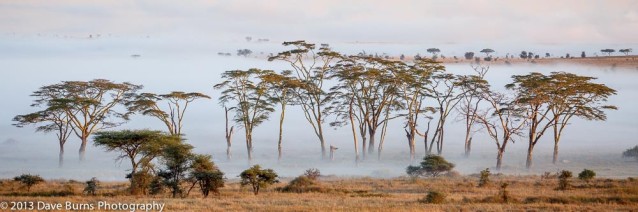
pixel 368 93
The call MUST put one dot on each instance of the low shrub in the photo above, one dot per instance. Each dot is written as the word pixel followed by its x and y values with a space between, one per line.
pixel 434 197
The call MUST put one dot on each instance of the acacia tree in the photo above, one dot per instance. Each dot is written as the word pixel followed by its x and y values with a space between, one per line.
pixel 501 119
pixel 444 91
pixel 252 105
pixel 228 134
pixel 533 96
pixel 311 68
pixel 470 99
pixel 412 81
pixel 89 106
pixel 433 51
pixel 176 159
pixel 138 146
pixel 54 120
pixel 177 102
pixel 206 174
pixel 281 88
pixel 365 83
pixel 576 96
pixel 608 51
pixel 487 52
pixel 625 51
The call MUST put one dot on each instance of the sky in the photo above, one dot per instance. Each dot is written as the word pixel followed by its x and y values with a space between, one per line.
pixel 399 21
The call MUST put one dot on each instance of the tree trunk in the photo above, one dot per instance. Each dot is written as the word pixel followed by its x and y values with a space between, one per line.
pixel 229 154
pixel 530 149
pixel 364 145
pixel 556 140
pixel 354 136
pixel 439 145
pixel 499 159
pixel 249 146
pixel 323 143
pixel 281 130
pixel 468 147
pixel 61 156
pixel 82 151
pixel 555 158
pixel 372 141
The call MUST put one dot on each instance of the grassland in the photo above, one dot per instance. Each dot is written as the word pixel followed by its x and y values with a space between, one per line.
pixel 526 193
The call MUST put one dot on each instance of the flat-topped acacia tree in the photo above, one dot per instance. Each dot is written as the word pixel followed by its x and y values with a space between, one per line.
pixel 173 116
pixel 88 106
pixel 252 105
pixel 49 120
pixel 310 67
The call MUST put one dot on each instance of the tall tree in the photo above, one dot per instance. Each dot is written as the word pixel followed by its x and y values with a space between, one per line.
pixel 138 146
pixel 445 93
pixel 173 116
pixel 228 134
pixel 367 83
pixel 576 96
pixel 281 87
pixel 470 87
pixel 412 81
pixel 89 106
pixel 251 100
pixel 176 159
pixel 311 67
pixel 533 96
pixel 53 120
pixel 501 119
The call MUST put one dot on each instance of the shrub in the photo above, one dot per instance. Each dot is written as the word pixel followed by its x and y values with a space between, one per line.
pixel 432 165
pixel 258 178
pixel 91 186
pixel 484 179
pixel 503 193
pixel 302 184
pixel 156 186
pixel 586 175
pixel 206 174
pixel 313 173
pixel 29 180
pixel 563 180
pixel 434 197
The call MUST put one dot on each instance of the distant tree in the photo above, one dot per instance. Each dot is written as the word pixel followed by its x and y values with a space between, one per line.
pixel 530 55
pixel 251 101
pixel 417 57
pixel 244 52
pixel 444 90
pixel 469 55
pixel 402 57
pixel 582 54
pixel 173 116
pixel 567 56
pixel 205 173
pixel 87 106
pixel 608 51
pixel 523 55
pixel 139 146
pixel 313 173
pixel 537 56
pixel 586 175
pixel 248 38
pixel 432 165
pixel 91 186
pixel 29 180
pixel 470 87
pixel 281 88
pixel 311 67
pixel 433 51
pixel 547 55
pixel 631 153
pixel 258 178
pixel 487 52
pixel 53 120
pixel 625 51
pixel 228 134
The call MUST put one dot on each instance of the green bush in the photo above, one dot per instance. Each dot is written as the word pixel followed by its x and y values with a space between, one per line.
pixel 432 165
pixel 258 178
pixel 302 184
pixel 91 186
pixel 29 180
pixel 586 175
pixel 563 180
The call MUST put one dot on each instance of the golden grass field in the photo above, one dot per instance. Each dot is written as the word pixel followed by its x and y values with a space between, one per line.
pixel 527 193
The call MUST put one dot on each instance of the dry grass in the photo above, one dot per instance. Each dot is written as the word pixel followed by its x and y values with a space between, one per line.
pixel 365 194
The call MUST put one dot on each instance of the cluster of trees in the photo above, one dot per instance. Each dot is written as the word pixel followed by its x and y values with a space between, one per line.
pixel 371 91
pixel 160 160
pixel 368 92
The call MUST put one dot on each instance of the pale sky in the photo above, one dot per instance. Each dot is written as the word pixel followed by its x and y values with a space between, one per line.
pixel 449 21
